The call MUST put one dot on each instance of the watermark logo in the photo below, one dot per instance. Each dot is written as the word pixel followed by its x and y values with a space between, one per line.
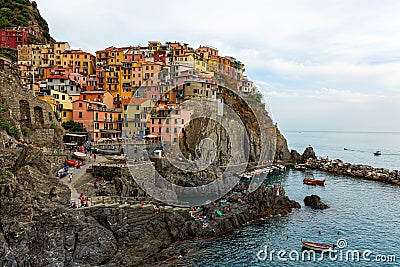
pixel 336 253
pixel 203 128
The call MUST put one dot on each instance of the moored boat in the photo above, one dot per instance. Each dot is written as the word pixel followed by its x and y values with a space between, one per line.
pixel 316 246
pixel 71 163
pixel 300 167
pixel 62 172
pixel 79 155
pixel 312 181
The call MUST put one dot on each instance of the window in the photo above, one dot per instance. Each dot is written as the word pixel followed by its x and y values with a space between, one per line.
pixel 63 97
pixel 137 107
pixel 64 114
pixel 80 115
pixel 183 121
pixel 84 97
pixel 167 130
pixel 80 105
pixel 175 130
pixel 176 121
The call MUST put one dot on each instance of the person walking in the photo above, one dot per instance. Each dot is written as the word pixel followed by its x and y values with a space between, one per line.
pixel 70 178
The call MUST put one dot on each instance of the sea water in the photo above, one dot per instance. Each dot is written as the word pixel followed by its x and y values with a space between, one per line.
pixel 363 215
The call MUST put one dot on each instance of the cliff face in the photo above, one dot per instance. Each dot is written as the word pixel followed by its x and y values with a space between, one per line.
pixel 24 116
pixel 251 132
pixel 282 150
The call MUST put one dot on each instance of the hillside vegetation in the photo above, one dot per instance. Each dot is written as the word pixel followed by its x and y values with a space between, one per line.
pixel 24 13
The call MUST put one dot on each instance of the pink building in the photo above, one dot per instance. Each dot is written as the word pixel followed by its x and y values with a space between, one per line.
pixel 99 120
pixel 167 121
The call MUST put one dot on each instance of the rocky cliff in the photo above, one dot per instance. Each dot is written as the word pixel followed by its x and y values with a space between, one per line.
pixel 37 228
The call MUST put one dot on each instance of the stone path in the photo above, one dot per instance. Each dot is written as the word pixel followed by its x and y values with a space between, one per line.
pixel 77 174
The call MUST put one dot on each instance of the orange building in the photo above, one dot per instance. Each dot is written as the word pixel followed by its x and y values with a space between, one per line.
pixel 78 61
pixel 100 119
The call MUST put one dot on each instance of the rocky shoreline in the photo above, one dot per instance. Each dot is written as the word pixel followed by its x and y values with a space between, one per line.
pixel 356 170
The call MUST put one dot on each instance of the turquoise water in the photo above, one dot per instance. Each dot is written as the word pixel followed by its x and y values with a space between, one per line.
pixel 360 146
pixel 364 213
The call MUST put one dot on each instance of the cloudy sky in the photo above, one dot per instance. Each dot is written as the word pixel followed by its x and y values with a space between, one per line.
pixel 321 65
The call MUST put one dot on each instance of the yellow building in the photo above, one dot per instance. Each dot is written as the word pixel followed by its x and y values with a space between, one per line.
pixel 137 112
pixel 63 104
pixel 79 61
pixel 200 64
pixel 59 48
pixel 113 76
pixel 29 61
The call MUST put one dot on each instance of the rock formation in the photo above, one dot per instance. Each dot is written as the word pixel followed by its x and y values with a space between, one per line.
pixel 308 154
pixel 315 202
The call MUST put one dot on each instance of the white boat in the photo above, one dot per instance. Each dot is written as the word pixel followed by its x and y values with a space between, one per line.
pixel 79 155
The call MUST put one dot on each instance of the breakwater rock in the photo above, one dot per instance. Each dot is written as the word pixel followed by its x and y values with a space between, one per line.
pixel 357 170
pixel 315 202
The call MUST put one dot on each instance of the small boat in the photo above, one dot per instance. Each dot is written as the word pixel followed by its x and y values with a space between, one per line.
pixel 62 172
pixel 316 246
pixel 79 155
pixel 377 153
pixel 312 181
pixel 300 167
pixel 71 163
pixel 345 148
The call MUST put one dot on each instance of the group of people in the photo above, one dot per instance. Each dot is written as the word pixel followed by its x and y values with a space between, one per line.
pixel 84 200
pixel 10 143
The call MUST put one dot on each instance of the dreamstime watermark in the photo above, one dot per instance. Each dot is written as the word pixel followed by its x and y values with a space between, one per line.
pixel 338 253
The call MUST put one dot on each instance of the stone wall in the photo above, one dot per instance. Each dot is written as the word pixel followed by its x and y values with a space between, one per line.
pixel 31 116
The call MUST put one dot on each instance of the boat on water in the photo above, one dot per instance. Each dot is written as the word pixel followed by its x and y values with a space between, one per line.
pixel 312 181
pixel 316 246
pixel 79 155
pixel 377 153
pixel 62 172
pixel 300 167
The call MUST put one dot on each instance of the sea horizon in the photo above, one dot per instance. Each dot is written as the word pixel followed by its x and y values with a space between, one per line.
pixel 339 131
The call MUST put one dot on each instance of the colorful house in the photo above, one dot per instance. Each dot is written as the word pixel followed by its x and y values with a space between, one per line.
pixel 137 112
pixel 100 119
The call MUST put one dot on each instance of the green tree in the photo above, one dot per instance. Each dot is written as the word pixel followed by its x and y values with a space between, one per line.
pixel 73 126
